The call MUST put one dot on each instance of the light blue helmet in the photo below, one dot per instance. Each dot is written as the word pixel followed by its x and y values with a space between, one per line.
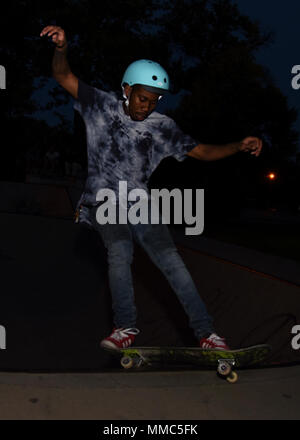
pixel 149 74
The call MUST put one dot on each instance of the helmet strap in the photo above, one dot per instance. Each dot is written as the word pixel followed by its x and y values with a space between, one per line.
pixel 125 97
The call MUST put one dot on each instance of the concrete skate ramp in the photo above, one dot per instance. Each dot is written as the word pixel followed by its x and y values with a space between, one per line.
pixel 55 300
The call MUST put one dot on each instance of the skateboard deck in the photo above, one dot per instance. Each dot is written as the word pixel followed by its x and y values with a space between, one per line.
pixel 223 360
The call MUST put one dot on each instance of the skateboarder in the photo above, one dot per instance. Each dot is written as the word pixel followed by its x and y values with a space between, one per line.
pixel 126 141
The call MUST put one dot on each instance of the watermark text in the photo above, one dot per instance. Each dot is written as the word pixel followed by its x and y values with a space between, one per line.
pixel 2 78
pixel 296 79
pixel 296 339
pixel 116 206
pixel 2 337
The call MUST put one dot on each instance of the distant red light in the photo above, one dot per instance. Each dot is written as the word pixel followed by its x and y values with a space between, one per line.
pixel 271 176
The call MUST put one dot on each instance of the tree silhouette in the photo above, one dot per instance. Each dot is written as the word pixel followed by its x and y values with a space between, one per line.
pixel 207 46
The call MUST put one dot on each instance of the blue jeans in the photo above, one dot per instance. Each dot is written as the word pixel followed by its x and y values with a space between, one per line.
pixel 156 240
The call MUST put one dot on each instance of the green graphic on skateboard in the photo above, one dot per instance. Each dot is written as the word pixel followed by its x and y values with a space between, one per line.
pixel 224 361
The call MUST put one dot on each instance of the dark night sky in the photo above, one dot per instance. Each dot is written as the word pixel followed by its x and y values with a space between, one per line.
pixel 281 17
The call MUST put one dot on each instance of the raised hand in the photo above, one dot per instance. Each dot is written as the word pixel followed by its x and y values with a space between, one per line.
pixel 251 144
pixel 57 33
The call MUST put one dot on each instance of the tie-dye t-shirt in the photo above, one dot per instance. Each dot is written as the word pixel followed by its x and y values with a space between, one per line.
pixel 120 149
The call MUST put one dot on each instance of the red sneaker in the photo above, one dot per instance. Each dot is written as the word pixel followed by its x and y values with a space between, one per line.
pixel 120 338
pixel 213 342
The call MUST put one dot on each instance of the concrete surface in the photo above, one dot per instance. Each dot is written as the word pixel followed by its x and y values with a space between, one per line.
pixel 273 265
pixel 268 394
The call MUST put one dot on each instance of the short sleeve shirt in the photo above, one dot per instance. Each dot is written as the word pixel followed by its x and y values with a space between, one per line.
pixel 121 149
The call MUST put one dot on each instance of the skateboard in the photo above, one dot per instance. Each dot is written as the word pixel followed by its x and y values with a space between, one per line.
pixel 223 360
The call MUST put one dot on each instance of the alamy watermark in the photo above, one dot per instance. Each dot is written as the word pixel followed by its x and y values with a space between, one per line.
pixel 295 343
pixel 296 339
pixel 116 206
pixel 296 79
pixel 2 78
pixel 2 328
pixel 2 337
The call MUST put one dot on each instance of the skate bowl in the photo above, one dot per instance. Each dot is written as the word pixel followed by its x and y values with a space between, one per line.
pixel 56 305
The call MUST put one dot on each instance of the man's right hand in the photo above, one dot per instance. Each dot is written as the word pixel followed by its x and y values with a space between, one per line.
pixel 58 35
pixel 60 66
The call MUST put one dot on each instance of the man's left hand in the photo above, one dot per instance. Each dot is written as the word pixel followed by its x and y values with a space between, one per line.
pixel 251 144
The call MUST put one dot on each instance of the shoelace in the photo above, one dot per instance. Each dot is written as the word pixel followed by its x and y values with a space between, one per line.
pixel 120 334
pixel 214 339
pixel 217 338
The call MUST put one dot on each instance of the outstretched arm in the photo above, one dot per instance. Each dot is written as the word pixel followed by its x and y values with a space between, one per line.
pixel 215 152
pixel 60 66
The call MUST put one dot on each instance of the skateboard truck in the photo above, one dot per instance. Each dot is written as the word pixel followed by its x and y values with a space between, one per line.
pixel 224 369
pixel 136 361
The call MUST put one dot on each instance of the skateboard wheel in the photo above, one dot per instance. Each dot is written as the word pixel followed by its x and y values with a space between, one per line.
pixel 127 362
pixel 232 378
pixel 224 369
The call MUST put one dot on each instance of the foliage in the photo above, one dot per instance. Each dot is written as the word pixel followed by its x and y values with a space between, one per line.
pixel 207 46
